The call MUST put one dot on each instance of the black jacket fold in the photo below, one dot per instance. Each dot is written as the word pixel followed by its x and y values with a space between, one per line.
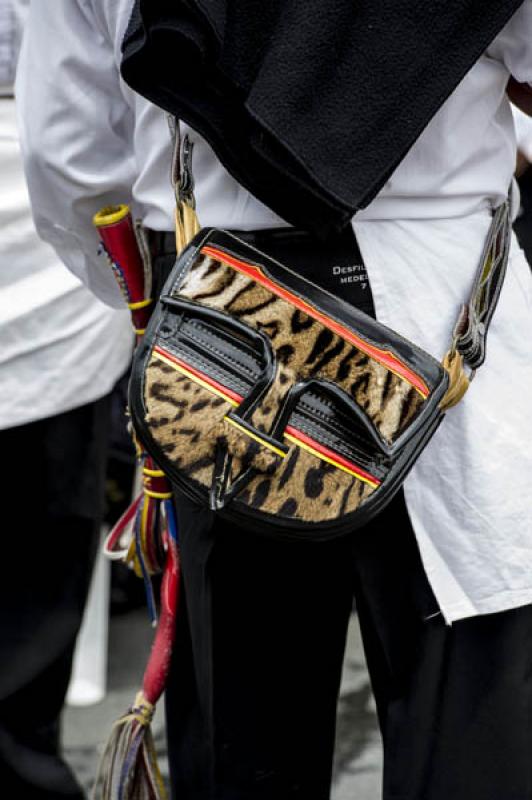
pixel 310 104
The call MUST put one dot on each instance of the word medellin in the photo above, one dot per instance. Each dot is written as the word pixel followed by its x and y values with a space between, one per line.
pixel 351 274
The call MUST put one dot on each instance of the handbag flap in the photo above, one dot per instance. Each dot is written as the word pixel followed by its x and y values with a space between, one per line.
pixel 265 391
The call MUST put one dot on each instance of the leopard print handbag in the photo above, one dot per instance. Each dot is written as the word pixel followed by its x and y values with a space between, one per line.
pixel 282 406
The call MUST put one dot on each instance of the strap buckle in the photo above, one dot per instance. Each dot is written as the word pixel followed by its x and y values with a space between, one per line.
pixel 185 187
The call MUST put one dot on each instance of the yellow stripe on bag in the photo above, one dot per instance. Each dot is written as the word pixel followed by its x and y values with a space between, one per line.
pixel 255 437
pixel 194 378
pixel 329 460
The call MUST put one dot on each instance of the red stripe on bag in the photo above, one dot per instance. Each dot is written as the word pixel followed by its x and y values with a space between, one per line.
pixel 332 456
pixel 195 373
pixel 384 357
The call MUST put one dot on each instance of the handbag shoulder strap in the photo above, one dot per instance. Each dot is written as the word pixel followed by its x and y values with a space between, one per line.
pixel 468 347
pixel 186 221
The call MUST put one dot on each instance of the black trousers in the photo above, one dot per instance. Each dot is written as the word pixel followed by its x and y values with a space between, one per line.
pixel 252 696
pixel 52 492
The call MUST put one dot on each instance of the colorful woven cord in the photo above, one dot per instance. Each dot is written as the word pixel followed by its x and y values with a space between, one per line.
pixel 146 537
pixel 140 537
pixel 128 769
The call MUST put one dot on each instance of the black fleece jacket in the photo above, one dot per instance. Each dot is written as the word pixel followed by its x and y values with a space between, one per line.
pixel 310 104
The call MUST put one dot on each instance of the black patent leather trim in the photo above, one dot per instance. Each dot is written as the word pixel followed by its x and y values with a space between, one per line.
pixel 418 360
pixel 402 454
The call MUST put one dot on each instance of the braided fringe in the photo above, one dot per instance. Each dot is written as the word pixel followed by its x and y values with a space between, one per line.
pixel 128 769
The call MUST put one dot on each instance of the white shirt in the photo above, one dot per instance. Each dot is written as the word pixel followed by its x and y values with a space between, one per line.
pixel 7 44
pixel 88 140
pixel 61 346
pixel 468 496
pixel 523 130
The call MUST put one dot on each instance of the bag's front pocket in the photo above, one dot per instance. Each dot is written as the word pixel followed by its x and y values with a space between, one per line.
pixel 269 401
pixel 217 407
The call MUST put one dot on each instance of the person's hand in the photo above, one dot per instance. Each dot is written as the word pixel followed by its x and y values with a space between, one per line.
pixel 521 95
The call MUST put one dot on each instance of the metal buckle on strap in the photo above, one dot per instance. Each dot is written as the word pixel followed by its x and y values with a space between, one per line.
pixel 471 329
pixel 185 187
pixel 468 345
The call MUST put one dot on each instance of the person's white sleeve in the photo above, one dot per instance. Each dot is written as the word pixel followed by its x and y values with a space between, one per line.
pixel 523 132
pixel 20 11
pixel 76 134
pixel 513 46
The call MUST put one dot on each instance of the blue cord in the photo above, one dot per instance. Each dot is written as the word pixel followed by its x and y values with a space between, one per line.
pixel 148 588
pixel 172 521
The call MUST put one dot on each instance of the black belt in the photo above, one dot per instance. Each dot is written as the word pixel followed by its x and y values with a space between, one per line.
pixel 346 277
pixel 162 243
pixel 163 254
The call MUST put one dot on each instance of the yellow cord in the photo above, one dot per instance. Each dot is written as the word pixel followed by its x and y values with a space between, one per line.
pixel 158 495
pixel 153 473
pixel 140 304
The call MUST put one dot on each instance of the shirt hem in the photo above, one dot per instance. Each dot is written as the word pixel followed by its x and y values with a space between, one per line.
pixel 495 604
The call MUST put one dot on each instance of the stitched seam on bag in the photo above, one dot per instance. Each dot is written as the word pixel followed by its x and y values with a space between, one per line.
pixel 358 458
pixel 342 429
pixel 208 366
pixel 338 411
pixel 348 421
pixel 208 346
pixel 338 448
pixel 218 334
